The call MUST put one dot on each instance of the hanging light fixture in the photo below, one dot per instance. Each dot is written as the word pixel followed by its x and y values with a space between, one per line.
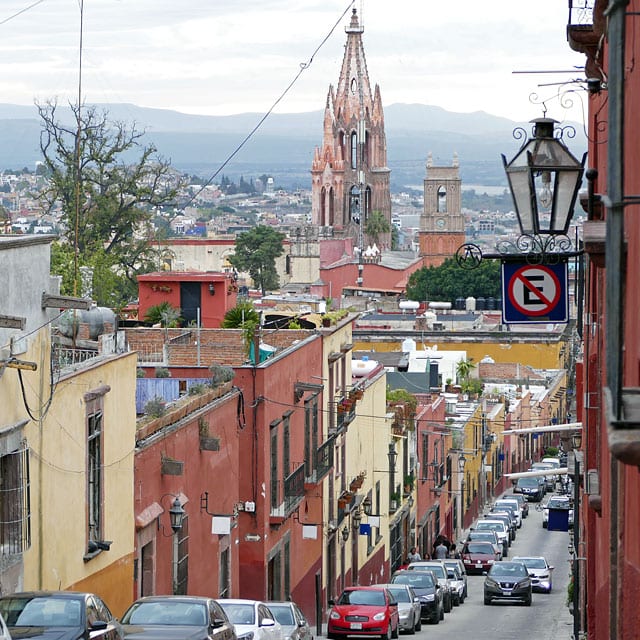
pixel 366 506
pixel 544 179
pixel 345 533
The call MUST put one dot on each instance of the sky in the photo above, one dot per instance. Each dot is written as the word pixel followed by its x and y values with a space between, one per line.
pixel 221 57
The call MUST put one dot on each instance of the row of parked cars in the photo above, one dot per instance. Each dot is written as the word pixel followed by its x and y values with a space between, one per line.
pixel 68 615
pixel 423 592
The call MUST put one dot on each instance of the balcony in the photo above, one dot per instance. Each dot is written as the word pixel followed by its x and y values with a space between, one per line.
pixel 585 28
pixel 324 459
pixel 293 495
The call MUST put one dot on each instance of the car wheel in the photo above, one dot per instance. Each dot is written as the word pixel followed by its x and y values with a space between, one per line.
pixel 418 626
pixel 456 601
pixel 385 635
pixel 527 602
pixel 447 605
pixel 487 600
pixel 395 632
pixel 331 636
pixel 550 587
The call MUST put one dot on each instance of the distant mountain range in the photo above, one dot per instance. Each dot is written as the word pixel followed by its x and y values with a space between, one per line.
pixel 283 145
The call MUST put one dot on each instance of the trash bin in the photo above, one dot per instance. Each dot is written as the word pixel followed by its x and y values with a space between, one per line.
pixel 558 520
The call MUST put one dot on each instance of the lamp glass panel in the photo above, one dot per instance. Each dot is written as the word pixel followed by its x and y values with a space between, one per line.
pixel 565 192
pixel 521 189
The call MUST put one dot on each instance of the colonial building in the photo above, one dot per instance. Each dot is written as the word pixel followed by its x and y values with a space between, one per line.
pixel 442 222
pixel 350 178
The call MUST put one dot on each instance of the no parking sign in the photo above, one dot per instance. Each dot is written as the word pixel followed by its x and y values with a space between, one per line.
pixel 535 293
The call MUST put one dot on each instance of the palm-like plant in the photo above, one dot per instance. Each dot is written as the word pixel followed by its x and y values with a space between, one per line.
pixel 163 314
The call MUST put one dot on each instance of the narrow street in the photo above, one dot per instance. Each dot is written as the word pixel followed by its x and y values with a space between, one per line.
pixel 548 617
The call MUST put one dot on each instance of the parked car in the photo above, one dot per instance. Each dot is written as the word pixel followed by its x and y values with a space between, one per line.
pixel 508 581
pixel 540 571
pixel 500 529
pixel 530 487
pixel 524 504
pixel 430 593
pixel 440 569
pixel 478 556
pixel 4 632
pixel 508 519
pixel 369 611
pixel 176 618
pixel 63 615
pixel 550 478
pixel 457 562
pixel 457 584
pixel 557 502
pixel 409 609
pixel 486 536
pixel 294 624
pixel 252 619
pixel 512 505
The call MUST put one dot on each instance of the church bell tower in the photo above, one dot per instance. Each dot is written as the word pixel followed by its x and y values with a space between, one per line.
pixel 350 177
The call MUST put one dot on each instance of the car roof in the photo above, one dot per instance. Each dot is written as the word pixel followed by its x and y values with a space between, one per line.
pixel 74 595
pixel 523 558
pixel 161 598
pixel 371 587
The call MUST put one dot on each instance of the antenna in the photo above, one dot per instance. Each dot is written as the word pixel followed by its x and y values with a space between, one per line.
pixel 77 158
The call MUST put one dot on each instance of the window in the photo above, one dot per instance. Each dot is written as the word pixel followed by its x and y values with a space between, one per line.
pixel 275 498
pixel 354 150
pixel 15 508
pixel 94 471
pixel 181 565
pixel 224 588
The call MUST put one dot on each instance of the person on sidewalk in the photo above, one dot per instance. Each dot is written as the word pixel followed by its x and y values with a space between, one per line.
pixel 414 556
pixel 441 552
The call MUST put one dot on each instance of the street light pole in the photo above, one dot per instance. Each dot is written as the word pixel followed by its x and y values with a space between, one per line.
pixel 576 547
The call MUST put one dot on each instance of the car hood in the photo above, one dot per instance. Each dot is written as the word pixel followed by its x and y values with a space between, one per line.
pixel 358 610
pixel 163 632
pixel 55 633
pixel 479 556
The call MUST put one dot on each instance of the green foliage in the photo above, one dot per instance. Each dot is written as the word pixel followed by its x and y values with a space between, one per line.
pixel 163 314
pixel 551 452
pixel 449 281
pixel 197 389
pixel 240 315
pixel 472 386
pixel 256 252
pixel 155 407
pixel 405 397
pixel 464 367
pixel 294 323
pixel 220 374
pixel 107 195
pixel 376 225
pixel 162 372
pixel 140 372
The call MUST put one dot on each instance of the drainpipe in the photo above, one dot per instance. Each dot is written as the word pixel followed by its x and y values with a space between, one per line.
pixel 615 14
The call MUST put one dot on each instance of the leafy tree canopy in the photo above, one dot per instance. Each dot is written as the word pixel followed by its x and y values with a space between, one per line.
pixel 376 225
pixel 256 252
pixel 449 281
pixel 108 185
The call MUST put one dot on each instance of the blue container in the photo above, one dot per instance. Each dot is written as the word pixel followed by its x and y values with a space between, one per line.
pixel 558 520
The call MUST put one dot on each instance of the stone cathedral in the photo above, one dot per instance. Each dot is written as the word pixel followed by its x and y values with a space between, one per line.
pixel 350 177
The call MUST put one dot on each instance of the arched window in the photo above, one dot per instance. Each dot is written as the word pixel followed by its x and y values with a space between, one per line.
pixel 331 220
pixel 354 150
pixel 323 204
pixel 354 204
pixel 367 203
pixel 442 200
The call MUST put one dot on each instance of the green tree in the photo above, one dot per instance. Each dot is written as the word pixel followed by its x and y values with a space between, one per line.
pixel 376 225
pixel 450 281
pixel 256 252
pixel 464 367
pixel 108 185
pixel 163 314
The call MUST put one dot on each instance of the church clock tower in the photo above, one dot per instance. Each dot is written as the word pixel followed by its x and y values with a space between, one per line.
pixel 349 173
pixel 442 222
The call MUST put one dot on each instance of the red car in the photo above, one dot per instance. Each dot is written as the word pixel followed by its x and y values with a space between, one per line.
pixel 364 611
pixel 478 556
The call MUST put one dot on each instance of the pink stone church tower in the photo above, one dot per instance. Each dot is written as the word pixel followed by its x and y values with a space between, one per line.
pixel 350 177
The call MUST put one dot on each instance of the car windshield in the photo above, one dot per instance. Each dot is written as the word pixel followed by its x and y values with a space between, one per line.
pixel 482 535
pixel 282 614
pixel 238 612
pixel 480 547
pixel 166 613
pixel 365 596
pixel 511 569
pixel 533 563
pixel 438 569
pixel 492 526
pixel 528 482
pixel 417 579
pixel 41 612
pixel 401 594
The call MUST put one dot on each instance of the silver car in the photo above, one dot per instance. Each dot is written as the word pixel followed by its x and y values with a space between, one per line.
pixel 457 584
pixel 409 607
pixel 294 624
pixel 540 571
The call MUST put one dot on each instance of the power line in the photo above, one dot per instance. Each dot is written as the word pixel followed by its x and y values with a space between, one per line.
pixel 303 67
pixel 15 15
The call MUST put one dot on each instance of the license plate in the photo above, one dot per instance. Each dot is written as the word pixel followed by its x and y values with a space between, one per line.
pixel 506 592
pixel 356 625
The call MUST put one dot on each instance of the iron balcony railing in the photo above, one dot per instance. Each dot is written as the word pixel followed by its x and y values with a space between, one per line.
pixel 581 12
pixel 293 489
pixel 325 458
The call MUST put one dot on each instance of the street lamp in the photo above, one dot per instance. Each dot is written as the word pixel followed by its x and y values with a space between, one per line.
pixel 544 178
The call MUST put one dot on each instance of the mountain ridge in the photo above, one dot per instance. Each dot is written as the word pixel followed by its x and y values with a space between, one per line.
pixel 284 144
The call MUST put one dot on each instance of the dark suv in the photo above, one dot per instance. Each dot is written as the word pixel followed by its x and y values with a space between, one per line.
pixel 530 488
pixel 429 592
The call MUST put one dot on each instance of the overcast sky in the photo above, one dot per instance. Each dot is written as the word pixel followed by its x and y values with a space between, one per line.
pixel 221 57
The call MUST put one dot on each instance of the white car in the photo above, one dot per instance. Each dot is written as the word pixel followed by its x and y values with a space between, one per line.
pixel 457 584
pixel 252 619
pixel 539 570
pixel 4 632
pixel 556 502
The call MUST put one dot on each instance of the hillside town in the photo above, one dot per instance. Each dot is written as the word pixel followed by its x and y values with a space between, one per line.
pixel 279 401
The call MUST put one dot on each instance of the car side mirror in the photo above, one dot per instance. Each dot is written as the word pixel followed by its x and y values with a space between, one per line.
pixel 484 573
pixel 217 623
pixel 267 622
pixel 331 602
pixel 550 567
pixel 99 625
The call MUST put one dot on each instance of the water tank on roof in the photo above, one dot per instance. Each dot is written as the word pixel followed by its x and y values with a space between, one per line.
pixel 362 367
pixel 409 344
pixel 408 305
pixel 491 303
pixel 459 304
pixel 481 304
pixel 470 303
pixel 96 318
pixel 440 306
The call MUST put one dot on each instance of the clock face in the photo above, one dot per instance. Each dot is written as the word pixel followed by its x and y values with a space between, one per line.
pixel 441 223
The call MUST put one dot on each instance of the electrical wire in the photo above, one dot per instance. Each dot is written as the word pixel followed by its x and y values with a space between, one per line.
pixel 303 67
pixel 15 15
